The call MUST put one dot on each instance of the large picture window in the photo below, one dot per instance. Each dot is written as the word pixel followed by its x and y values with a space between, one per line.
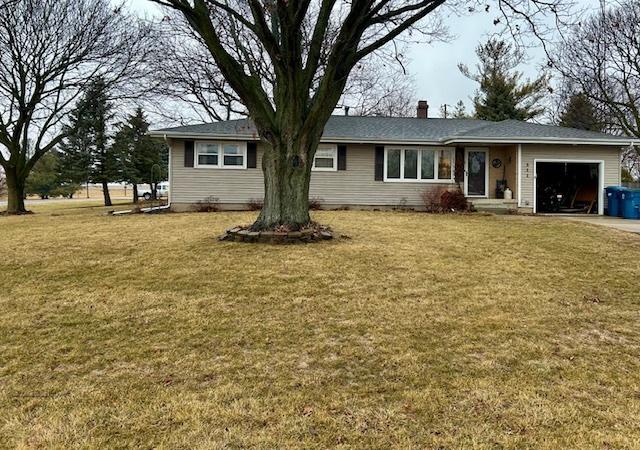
pixel 221 155
pixel 326 159
pixel 418 164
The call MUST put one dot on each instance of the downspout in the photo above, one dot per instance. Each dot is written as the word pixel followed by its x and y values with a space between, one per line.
pixel 166 140
pixel 519 175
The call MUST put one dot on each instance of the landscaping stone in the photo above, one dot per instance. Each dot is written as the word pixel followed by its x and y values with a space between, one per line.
pixel 306 235
pixel 325 235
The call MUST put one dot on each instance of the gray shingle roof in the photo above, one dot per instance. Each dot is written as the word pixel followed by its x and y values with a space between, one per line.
pixel 410 129
pixel 516 128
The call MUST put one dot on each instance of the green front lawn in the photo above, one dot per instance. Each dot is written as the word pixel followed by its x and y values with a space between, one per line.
pixel 421 331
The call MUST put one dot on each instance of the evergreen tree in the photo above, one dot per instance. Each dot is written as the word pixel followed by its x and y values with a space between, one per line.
pixel 144 159
pixel 460 111
pixel 503 94
pixel 76 155
pixel 580 113
pixel 44 179
pixel 87 153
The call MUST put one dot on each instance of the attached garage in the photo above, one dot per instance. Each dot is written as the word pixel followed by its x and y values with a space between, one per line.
pixel 568 186
pixel 578 173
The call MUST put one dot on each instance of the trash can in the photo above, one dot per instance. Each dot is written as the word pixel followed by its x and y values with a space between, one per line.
pixel 630 204
pixel 614 205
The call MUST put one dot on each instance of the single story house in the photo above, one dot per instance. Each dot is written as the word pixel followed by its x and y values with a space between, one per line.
pixel 380 162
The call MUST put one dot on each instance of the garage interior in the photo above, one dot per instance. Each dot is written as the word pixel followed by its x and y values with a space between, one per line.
pixel 567 187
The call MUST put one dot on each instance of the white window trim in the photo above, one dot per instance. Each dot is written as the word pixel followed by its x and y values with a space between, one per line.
pixel 334 149
pixel 436 164
pixel 220 165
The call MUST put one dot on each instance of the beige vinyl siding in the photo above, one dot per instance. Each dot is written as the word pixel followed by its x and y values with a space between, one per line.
pixel 355 186
pixel 194 184
pixel 530 153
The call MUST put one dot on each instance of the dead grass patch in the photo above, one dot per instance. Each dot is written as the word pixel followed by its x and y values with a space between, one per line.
pixel 422 331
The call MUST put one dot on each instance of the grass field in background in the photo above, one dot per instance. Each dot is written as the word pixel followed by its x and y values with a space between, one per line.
pixel 420 331
pixel 93 193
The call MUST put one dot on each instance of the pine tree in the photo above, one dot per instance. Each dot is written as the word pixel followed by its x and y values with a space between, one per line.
pixel 503 95
pixel 75 151
pixel 580 113
pixel 87 153
pixel 44 178
pixel 144 159
pixel 460 111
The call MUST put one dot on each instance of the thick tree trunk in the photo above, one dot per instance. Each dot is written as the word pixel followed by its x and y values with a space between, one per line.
pixel 105 193
pixel 15 191
pixel 287 172
pixel 136 196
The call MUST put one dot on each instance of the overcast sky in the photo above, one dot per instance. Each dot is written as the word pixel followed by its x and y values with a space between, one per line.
pixel 434 67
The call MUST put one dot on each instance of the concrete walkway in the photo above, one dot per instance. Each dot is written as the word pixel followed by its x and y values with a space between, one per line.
pixel 632 226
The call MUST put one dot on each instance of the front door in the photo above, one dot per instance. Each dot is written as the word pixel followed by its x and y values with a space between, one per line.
pixel 476 173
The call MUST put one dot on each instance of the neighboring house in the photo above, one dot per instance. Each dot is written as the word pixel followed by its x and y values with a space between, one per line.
pixel 373 162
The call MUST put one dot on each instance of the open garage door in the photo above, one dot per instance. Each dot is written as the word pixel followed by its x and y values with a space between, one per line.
pixel 568 187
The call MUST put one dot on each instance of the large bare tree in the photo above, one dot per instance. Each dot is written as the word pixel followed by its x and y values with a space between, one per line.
pixel 188 86
pixel 49 50
pixel 601 60
pixel 311 47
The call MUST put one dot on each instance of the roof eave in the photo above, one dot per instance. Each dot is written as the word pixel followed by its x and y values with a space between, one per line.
pixel 252 137
pixel 536 140
pixel 380 140
pixel 192 135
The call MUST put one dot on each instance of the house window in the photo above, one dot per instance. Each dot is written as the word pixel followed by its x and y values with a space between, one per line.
pixel 419 164
pixel 326 159
pixel 445 164
pixel 233 155
pixel 208 155
pixel 221 155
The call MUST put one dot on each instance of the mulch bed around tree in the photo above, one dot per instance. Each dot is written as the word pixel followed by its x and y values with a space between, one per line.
pixel 313 232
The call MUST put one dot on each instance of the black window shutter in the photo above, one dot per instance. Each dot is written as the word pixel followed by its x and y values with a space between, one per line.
pixel 188 153
pixel 342 157
pixel 459 167
pixel 379 176
pixel 252 155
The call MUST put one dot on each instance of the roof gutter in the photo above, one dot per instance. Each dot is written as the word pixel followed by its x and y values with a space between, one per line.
pixel 182 135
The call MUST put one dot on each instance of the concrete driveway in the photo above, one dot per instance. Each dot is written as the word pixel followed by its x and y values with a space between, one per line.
pixel 632 226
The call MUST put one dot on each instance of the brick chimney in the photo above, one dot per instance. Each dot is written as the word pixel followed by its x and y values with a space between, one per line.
pixel 423 109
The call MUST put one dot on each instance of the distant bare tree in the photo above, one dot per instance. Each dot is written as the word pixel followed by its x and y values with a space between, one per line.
pixel 185 77
pixel 50 49
pixel 601 59
pixel 379 89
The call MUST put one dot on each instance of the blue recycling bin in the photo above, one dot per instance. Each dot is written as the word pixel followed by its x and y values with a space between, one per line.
pixel 614 201
pixel 630 204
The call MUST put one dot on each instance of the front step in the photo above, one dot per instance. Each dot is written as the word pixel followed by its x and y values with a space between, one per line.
pixel 494 205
